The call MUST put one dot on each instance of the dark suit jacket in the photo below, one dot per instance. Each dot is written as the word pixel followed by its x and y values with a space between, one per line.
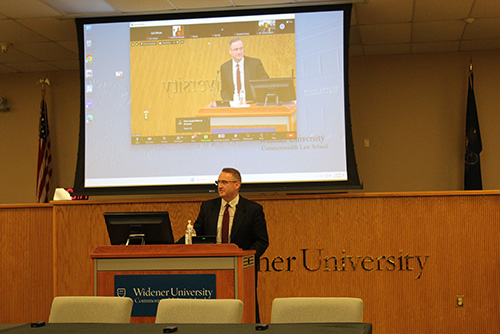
pixel 253 70
pixel 249 229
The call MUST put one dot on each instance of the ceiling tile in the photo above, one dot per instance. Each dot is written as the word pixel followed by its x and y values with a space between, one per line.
pixel 487 44
pixel 47 51
pixel 194 4
pixel 435 47
pixel 33 67
pixel 70 45
pixel 354 19
pixel 15 56
pixel 377 26
pixel 437 31
pixel 486 8
pixel 6 69
pixel 433 10
pixel 52 28
pixel 66 65
pixel 371 50
pixel 26 8
pixel 13 32
pixel 397 33
pixel 248 3
pixel 355 50
pixel 354 37
pixel 483 29
pixel 134 6
pixel 384 11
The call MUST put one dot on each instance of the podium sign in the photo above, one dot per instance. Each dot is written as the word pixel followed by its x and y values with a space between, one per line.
pixel 147 290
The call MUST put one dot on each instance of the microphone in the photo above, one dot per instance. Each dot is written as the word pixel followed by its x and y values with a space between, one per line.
pixel 213 104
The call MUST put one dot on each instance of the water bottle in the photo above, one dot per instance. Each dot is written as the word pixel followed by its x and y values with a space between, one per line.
pixel 189 233
pixel 243 99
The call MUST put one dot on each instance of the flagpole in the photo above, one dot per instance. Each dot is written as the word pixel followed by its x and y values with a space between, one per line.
pixel 471 83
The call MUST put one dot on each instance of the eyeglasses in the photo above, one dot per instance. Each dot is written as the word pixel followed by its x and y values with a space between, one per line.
pixel 223 182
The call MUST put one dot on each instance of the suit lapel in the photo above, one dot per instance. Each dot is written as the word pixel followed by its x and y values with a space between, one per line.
pixel 238 216
pixel 248 69
pixel 214 217
pixel 229 76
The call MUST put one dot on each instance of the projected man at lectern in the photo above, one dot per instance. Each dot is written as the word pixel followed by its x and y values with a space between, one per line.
pixel 236 73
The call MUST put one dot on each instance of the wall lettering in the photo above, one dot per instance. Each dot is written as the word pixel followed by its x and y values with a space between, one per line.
pixel 316 260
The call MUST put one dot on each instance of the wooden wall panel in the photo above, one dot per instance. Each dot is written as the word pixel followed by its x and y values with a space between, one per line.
pixel 26 288
pixel 457 233
pixel 380 243
pixel 81 228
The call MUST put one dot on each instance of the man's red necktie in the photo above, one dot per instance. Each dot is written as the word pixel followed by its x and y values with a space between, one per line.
pixel 238 79
pixel 225 225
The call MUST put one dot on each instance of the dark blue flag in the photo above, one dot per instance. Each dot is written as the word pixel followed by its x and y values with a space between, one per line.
pixel 473 145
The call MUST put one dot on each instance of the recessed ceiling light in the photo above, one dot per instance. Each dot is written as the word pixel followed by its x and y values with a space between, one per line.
pixel 81 7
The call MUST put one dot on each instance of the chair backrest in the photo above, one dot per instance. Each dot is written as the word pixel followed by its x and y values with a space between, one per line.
pixel 316 309
pixel 178 311
pixel 91 309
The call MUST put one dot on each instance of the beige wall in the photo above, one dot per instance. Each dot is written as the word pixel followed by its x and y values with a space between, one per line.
pixel 19 132
pixel 411 108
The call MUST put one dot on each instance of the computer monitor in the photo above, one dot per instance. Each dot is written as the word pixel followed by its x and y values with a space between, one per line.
pixel 139 228
pixel 273 91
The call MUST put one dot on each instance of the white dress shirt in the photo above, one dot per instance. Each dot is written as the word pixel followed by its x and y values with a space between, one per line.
pixel 242 75
pixel 232 210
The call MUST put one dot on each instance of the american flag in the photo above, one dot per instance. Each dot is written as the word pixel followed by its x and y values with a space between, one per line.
pixel 44 167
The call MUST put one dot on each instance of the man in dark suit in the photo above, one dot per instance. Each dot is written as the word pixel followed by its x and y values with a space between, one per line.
pixel 249 69
pixel 245 218
pixel 247 224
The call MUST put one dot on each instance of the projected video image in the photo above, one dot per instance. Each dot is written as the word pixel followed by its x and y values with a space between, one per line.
pixel 168 100
pixel 184 87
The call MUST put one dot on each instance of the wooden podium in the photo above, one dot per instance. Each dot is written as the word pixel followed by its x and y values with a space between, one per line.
pixel 232 268
pixel 280 118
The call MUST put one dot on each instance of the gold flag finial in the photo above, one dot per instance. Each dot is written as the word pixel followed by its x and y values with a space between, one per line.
pixel 44 82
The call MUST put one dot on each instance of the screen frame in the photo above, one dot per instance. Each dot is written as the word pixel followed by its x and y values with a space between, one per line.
pixel 353 181
pixel 156 226
pixel 260 87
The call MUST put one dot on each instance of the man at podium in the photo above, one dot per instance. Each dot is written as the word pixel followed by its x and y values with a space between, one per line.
pixel 237 72
pixel 234 219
